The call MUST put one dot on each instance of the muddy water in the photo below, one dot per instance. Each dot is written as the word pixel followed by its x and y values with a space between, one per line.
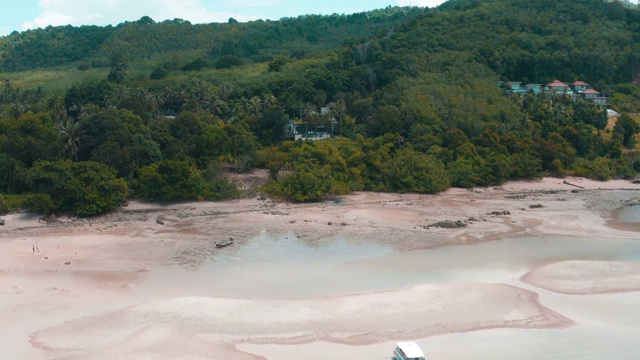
pixel 629 214
pixel 607 325
pixel 283 267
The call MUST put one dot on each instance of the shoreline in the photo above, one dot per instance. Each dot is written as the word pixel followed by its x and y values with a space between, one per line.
pixel 93 283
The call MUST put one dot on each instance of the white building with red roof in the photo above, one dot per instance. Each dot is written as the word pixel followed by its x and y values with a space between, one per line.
pixel 579 86
pixel 557 86
pixel 590 93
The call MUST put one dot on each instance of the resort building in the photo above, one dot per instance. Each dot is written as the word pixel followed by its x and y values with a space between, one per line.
pixel 577 89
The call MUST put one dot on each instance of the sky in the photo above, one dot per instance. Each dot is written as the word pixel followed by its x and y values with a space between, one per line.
pixel 20 15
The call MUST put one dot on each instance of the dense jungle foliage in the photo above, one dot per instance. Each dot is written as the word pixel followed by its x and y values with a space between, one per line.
pixel 90 116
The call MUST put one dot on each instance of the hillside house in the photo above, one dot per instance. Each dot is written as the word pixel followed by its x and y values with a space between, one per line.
pixel 516 87
pixel 557 86
pixel 579 86
pixel 298 130
pixel 577 89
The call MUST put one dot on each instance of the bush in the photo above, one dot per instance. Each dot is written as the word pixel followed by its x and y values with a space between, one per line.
pixel 219 187
pixel 87 188
pixel 171 180
pixel 413 171
pixel 598 169
pixel 10 203
pixel 309 182
pixel 196 65
pixel 39 203
pixel 3 206
pixel 158 73
pixel 228 61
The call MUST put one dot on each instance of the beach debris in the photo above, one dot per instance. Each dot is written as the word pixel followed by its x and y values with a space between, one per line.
pixel 570 184
pixel 1 222
pixel 68 263
pixel 160 222
pixel 448 224
pixel 516 197
pixel 276 213
pixel 499 213
pixel 329 223
pixel 224 243
pixel 536 206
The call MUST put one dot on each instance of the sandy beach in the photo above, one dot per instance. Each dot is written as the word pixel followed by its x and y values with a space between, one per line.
pixel 545 269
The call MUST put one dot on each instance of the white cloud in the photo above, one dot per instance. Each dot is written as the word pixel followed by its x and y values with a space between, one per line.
pixel 428 3
pixel 104 12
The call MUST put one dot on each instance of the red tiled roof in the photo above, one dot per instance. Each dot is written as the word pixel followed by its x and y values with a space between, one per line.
pixel 579 83
pixel 556 83
pixel 590 91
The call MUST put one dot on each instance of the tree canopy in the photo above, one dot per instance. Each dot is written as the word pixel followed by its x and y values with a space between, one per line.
pixel 409 96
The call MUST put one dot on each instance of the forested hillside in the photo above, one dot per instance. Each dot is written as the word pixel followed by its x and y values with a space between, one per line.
pixel 145 39
pixel 411 96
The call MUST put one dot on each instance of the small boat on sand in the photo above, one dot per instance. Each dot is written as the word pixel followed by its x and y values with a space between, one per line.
pixel 407 350
pixel 224 243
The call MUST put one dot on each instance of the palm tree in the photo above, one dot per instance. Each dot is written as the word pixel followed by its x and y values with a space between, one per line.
pixel 269 101
pixel 216 106
pixel 182 97
pixel 310 115
pixel 55 104
pixel 244 105
pixel 336 110
pixel 151 100
pixel 120 93
pixel 256 104
pixel 320 98
pixel 225 90
pixel 69 130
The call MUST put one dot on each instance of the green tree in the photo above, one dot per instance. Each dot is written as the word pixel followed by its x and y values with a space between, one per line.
pixel 277 63
pixel 69 130
pixel 413 171
pixel 309 182
pixel 386 120
pixel 195 65
pixel 158 73
pixel 171 180
pixel 119 67
pixel 626 129
pixel 39 203
pixel 29 138
pixel 86 188
pixel 228 61
pixel 463 173
pixel 118 138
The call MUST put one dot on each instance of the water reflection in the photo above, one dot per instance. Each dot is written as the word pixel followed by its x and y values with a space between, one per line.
pixel 629 214
pixel 285 267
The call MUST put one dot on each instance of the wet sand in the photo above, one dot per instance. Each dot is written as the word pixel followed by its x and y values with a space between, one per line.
pixel 538 271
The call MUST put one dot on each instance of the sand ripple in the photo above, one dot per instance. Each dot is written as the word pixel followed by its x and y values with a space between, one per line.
pixel 416 312
pixel 586 277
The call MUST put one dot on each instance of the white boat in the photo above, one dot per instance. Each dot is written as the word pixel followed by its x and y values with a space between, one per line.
pixel 407 350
